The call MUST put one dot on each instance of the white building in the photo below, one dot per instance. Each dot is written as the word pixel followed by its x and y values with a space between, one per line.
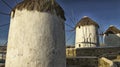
pixel 86 33
pixel 112 36
pixel 36 35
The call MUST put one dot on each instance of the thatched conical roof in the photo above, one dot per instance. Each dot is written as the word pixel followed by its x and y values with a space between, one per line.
pixel 86 21
pixel 50 6
pixel 112 30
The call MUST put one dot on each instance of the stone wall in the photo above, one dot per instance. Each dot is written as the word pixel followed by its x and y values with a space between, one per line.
pixel 109 52
pixel 82 62
pixel 90 57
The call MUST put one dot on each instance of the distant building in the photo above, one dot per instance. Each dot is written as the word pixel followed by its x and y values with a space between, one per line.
pixel 86 33
pixel 112 36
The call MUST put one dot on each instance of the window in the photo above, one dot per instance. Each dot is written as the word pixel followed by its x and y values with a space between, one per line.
pixel 79 45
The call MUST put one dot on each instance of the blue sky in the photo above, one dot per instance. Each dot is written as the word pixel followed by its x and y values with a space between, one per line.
pixel 104 12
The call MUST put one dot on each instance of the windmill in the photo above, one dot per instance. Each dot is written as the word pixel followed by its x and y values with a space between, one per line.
pixel 70 25
pixel 36 35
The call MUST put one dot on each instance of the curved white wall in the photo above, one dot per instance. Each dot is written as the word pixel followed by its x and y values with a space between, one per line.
pixel 112 39
pixel 86 36
pixel 36 39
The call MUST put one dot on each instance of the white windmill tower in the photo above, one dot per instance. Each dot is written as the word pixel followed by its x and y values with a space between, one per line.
pixel 86 33
pixel 37 35
pixel 112 36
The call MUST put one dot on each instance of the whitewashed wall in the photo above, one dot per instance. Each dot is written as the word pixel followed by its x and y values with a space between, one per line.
pixel 36 39
pixel 86 33
pixel 112 39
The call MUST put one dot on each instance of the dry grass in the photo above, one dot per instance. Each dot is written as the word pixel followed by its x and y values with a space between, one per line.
pixel 87 21
pixel 112 30
pixel 41 5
